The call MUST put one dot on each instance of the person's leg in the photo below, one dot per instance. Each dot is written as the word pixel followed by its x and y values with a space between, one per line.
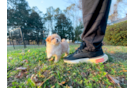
pixel 95 15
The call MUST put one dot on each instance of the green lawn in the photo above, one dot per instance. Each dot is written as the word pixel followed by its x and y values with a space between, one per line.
pixel 18 47
pixel 42 72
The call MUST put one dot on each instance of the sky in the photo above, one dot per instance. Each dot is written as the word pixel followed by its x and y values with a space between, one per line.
pixel 42 5
pixel 62 4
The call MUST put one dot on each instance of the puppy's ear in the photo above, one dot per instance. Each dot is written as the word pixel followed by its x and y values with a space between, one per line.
pixel 48 39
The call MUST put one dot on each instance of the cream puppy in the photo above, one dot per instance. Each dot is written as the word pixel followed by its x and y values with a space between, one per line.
pixel 56 47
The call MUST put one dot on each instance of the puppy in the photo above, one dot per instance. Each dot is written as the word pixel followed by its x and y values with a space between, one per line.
pixel 56 47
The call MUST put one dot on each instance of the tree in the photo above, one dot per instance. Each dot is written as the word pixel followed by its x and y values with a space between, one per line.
pixel 35 24
pixel 78 3
pixel 78 31
pixel 19 14
pixel 57 12
pixel 49 17
pixel 63 26
pixel 74 11
pixel 118 9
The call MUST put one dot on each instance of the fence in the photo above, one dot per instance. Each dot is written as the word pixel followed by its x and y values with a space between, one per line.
pixel 15 37
pixel 9 42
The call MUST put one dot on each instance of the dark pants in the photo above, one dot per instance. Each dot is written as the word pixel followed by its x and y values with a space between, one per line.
pixel 95 15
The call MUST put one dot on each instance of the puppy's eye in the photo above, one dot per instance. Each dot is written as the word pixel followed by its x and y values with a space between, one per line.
pixel 52 38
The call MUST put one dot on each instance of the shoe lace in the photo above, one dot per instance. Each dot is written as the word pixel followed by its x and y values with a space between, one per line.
pixel 80 48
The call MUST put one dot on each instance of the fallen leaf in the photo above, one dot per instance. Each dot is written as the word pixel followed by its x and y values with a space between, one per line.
pixel 83 74
pixel 27 76
pixel 35 69
pixel 46 73
pixel 38 84
pixel 111 79
pixel 21 74
pixel 63 82
pixel 21 68
pixel 34 78
pixel 122 71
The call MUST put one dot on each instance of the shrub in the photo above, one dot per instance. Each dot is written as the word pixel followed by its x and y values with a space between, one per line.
pixel 116 34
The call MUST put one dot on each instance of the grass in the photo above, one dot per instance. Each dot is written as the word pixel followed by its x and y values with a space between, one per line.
pixel 18 47
pixel 62 75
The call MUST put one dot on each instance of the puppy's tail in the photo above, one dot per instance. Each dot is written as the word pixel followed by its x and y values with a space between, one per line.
pixel 63 40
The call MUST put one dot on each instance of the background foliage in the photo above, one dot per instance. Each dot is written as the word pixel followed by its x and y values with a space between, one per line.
pixel 116 34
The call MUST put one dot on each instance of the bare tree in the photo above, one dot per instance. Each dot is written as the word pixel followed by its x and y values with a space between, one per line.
pixel 118 9
pixel 74 11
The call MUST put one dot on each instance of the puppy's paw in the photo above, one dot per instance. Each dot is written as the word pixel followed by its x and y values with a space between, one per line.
pixel 66 54
pixel 51 59
pixel 49 55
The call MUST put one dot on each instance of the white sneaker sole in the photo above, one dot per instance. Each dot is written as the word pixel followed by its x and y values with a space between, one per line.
pixel 99 59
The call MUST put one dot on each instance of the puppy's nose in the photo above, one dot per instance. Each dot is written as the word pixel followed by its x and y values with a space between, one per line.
pixel 57 40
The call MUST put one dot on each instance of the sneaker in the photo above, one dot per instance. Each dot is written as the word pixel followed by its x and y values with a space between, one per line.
pixel 81 55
